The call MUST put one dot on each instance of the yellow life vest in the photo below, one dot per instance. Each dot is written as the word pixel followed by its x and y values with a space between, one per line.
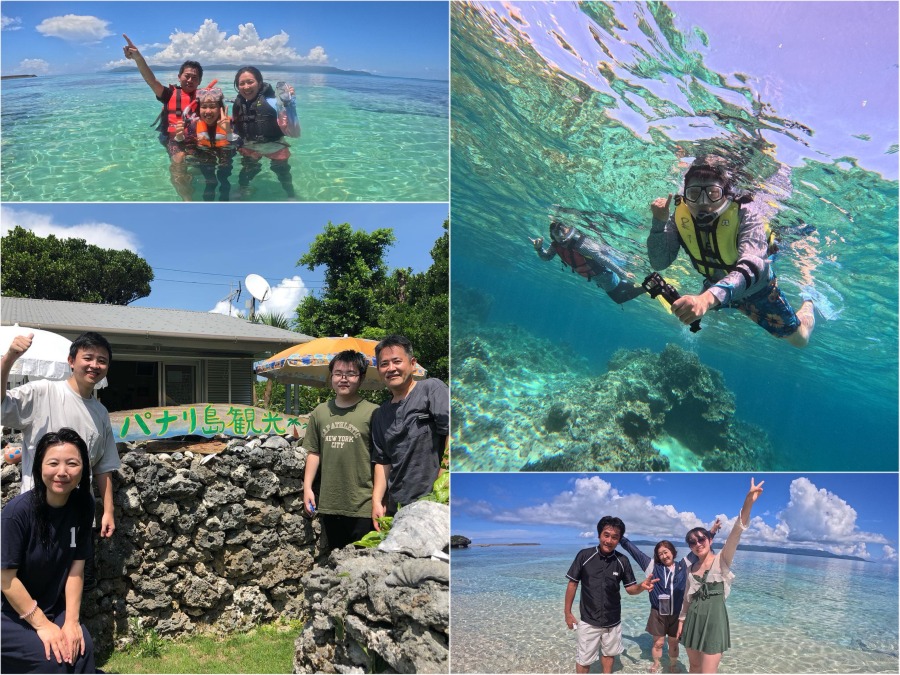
pixel 714 248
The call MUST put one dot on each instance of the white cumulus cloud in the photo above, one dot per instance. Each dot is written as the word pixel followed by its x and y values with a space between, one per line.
pixel 211 45
pixel 75 28
pixel 10 23
pixel 816 514
pixel 593 497
pixel 104 235
pixel 34 67
pixel 814 518
pixel 285 297
pixel 225 307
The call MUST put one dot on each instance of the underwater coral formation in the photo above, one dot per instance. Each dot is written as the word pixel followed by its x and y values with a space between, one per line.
pixel 648 412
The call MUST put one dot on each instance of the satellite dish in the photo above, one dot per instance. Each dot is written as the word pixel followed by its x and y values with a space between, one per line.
pixel 258 287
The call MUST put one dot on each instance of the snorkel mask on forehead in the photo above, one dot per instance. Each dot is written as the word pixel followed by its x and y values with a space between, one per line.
pixel 214 95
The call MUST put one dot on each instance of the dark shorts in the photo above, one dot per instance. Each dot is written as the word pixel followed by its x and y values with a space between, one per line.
pixel 172 146
pixel 659 625
pixel 771 310
pixel 343 530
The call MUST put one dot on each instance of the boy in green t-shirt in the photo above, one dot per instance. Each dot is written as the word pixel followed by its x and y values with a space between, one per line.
pixel 338 440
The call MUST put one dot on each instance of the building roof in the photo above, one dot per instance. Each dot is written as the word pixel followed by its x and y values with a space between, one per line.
pixel 148 325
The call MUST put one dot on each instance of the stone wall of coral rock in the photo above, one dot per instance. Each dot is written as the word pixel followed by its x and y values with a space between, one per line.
pixel 221 543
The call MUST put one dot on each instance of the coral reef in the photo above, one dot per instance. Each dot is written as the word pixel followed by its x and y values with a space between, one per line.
pixel 618 421
pixel 381 611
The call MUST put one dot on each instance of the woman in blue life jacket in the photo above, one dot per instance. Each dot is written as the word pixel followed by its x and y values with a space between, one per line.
pixel 667 594
pixel 590 258
pixel 263 116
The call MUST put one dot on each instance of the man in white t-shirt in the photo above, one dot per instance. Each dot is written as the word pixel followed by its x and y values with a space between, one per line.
pixel 44 405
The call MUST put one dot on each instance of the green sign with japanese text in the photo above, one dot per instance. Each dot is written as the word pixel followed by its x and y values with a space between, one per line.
pixel 203 419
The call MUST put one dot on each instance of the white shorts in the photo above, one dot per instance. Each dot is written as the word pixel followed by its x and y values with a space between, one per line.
pixel 593 641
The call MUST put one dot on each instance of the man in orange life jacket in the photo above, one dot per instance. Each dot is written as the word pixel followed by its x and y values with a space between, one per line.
pixel 591 259
pixel 175 99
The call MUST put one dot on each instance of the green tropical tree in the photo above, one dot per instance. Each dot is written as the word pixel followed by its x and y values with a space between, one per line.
pixel 354 272
pixel 419 308
pixel 49 268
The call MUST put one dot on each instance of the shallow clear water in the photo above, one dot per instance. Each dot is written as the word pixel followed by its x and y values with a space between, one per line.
pixel 595 107
pixel 788 614
pixel 88 138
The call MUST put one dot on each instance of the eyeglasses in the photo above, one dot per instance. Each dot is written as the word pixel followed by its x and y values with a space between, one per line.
pixel 713 193
pixel 340 375
pixel 699 540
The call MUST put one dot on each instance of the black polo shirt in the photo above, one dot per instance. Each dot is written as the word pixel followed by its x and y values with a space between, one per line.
pixel 600 576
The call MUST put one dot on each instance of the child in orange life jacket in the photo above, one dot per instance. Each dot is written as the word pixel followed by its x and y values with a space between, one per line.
pixel 590 258
pixel 210 132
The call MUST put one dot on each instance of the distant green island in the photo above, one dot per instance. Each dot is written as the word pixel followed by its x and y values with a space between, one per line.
pixel 326 70
pixel 15 77
pixel 777 549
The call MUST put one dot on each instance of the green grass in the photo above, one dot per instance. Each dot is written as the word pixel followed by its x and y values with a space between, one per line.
pixel 265 649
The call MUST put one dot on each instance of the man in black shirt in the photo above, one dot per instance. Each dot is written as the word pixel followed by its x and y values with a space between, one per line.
pixel 600 569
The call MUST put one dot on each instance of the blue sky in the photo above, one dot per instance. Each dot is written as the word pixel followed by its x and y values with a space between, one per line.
pixel 843 513
pixel 200 252
pixel 403 39
pixel 839 82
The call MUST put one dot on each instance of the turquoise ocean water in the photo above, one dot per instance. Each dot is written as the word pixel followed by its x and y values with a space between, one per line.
pixel 788 614
pixel 88 138
pixel 597 108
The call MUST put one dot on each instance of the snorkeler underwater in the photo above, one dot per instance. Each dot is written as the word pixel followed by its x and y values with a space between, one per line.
pixel 673 151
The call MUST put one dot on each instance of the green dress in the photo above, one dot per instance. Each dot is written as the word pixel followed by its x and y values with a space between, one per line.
pixel 706 624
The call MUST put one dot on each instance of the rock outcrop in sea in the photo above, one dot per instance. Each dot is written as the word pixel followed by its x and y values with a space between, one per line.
pixel 545 413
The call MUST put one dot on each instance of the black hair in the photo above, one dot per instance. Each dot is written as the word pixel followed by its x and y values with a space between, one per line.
pixel 712 167
pixel 192 64
pixel 253 70
pixel 394 341
pixel 611 521
pixel 87 340
pixel 353 357
pixel 80 498
pixel 697 530
pixel 665 543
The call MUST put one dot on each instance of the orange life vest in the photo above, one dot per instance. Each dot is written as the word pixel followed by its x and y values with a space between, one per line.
pixel 203 139
pixel 173 110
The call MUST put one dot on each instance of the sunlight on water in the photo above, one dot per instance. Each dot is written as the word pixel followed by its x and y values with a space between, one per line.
pixel 587 112
pixel 363 139
pixel 788 614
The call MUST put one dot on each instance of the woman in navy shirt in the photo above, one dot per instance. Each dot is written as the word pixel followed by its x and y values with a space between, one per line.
pixel 46 535
pixel 667 595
